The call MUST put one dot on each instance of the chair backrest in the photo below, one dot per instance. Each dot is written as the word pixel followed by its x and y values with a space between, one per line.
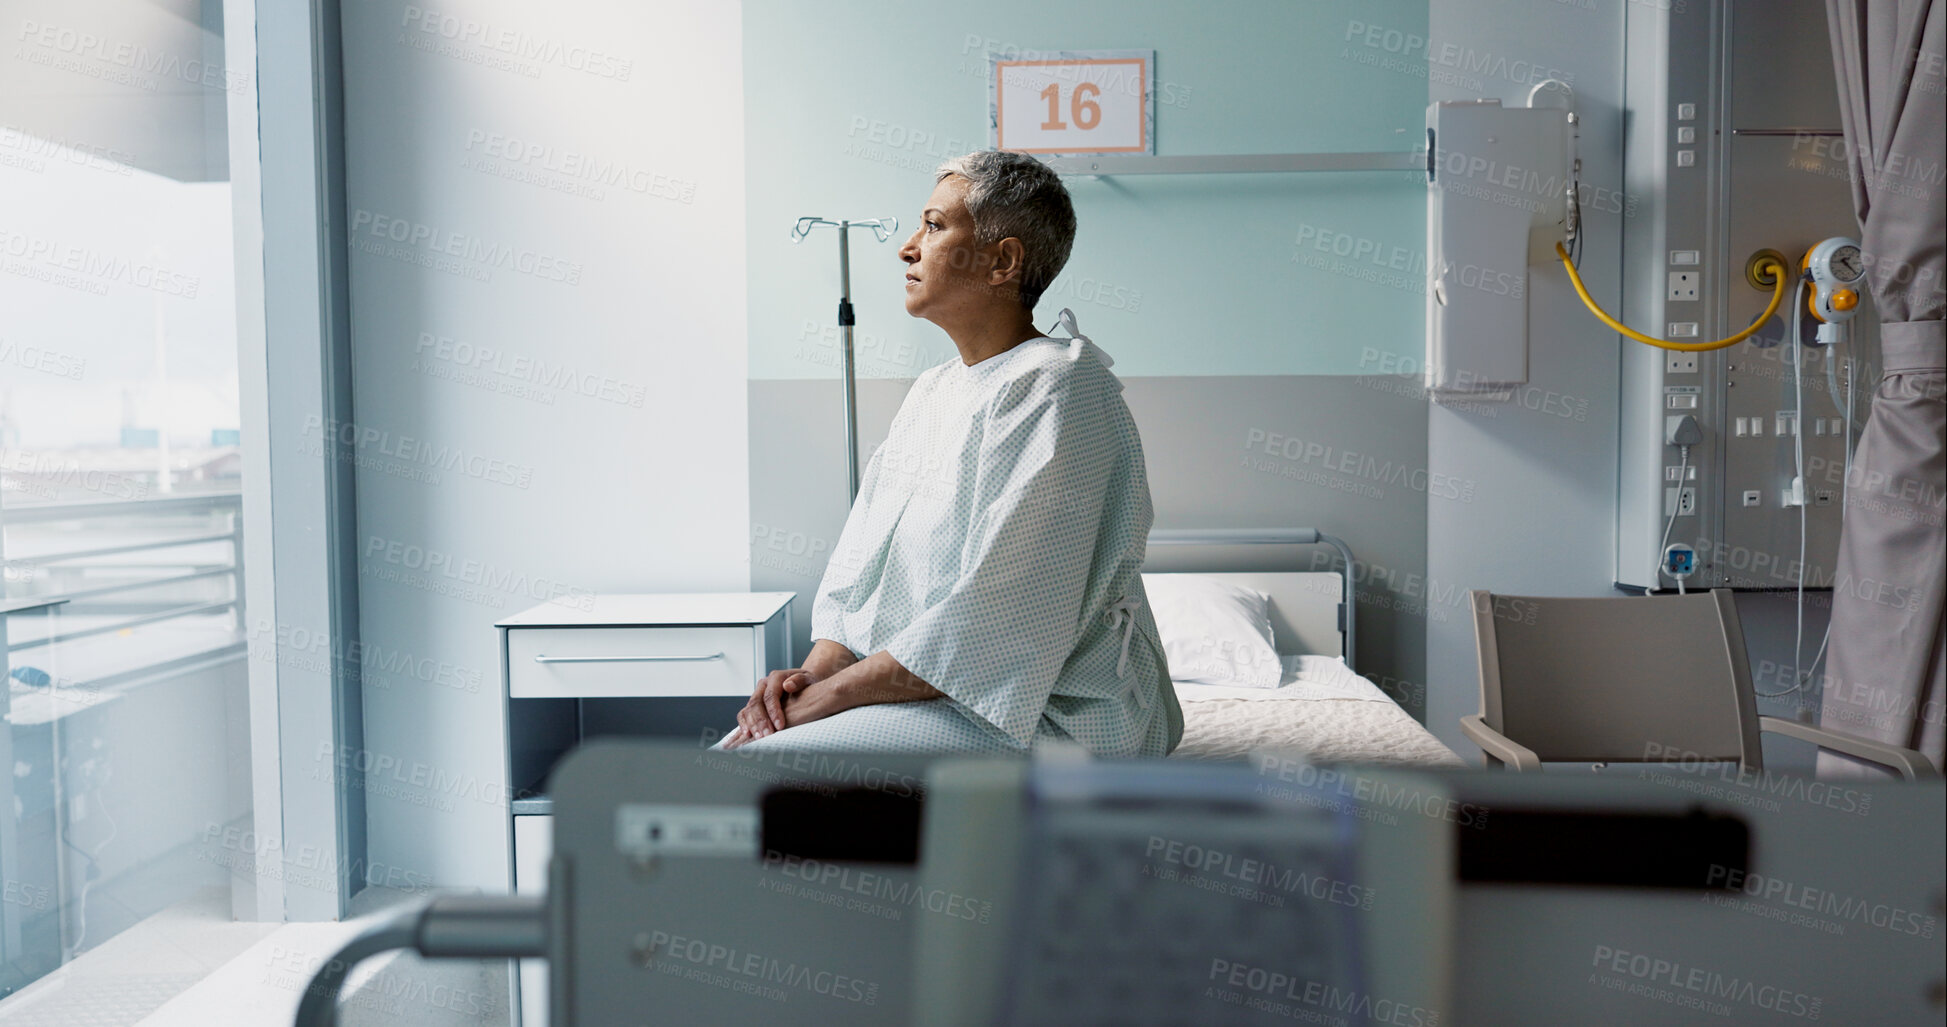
pixel 1619 679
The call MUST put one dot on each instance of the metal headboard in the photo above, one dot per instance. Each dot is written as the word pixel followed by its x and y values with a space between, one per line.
pixel 1348 609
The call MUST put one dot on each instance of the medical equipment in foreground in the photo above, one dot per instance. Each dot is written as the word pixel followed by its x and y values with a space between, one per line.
pixel 697 887
pixel 882 229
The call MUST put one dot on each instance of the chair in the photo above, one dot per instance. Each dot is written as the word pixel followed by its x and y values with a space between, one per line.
pixel 1630 680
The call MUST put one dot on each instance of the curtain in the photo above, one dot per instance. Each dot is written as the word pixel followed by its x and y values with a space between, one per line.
pixel 1888 649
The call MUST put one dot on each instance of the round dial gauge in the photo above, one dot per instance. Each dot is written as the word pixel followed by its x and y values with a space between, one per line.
pixel 1846 265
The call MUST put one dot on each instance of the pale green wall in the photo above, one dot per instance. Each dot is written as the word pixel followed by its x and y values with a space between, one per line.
pixel 850 104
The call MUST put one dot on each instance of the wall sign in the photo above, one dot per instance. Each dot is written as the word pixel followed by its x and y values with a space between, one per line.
pixel 1073 102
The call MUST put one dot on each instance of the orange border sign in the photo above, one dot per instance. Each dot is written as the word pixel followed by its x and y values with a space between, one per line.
pixel 1144 107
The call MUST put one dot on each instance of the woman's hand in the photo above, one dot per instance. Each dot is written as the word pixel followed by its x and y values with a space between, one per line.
pixel 764 714
pixel 808 701
pixel 876 679
pixel 831 681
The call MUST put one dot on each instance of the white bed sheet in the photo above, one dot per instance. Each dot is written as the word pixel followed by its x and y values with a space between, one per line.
pixel 1321 708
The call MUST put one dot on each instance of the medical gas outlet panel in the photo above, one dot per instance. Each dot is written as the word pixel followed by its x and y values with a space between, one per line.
pixel 1733 148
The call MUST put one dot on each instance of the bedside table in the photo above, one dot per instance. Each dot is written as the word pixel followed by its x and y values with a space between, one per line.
pixel 567 673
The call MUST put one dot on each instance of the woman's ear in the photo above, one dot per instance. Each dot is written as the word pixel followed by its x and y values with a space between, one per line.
pixel 1009 259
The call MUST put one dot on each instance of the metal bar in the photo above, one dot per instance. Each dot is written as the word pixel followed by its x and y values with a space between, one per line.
pixel 1348 604
pixel 118 507
pixel 851 369
pixel 134 622
pixel 10 914
pixel 139 676
pixel 1243 163
pixel 882 229
pixel 1232 536
pixel 138 547
pixel 544 658
pixel 89 593
pixel 236 566
pixel 1839 133
pixel 35 603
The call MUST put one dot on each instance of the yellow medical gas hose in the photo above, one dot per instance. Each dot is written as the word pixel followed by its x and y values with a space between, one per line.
pixel 1777 297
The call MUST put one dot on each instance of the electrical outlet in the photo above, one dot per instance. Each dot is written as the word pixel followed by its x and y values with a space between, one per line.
pixel 1679 502
pixel 1676 361
pixel 1684 284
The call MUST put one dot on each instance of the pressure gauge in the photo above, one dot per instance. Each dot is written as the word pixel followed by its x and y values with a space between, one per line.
pixel 1836 271
pixel 1845 264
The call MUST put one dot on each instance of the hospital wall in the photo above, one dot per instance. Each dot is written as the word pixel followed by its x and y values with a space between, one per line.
pixel 1266 326
pixel 1544 467
pixel 547 297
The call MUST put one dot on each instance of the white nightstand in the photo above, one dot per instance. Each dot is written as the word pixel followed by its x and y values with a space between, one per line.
pixel 569 671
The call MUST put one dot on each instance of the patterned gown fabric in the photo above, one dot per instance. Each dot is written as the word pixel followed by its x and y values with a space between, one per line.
pixel 995 551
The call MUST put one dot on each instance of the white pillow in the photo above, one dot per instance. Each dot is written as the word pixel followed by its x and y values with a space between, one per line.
pixel 1214 633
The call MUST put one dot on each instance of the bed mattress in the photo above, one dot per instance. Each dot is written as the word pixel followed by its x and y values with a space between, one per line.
pixel 1321 708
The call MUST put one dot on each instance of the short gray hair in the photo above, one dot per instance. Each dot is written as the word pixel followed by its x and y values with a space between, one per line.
pixel 1014 195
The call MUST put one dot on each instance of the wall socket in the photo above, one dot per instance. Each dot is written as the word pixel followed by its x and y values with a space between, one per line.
pixel 1684 285
pixel 1679 502
pixel 1676 361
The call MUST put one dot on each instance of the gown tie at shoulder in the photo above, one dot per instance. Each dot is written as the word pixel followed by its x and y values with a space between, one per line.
pixel 1079 342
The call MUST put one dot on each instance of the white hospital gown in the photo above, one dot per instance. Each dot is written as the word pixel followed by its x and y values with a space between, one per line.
pixel 995 550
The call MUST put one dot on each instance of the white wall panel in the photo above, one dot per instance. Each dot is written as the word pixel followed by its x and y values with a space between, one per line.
pixel 546 208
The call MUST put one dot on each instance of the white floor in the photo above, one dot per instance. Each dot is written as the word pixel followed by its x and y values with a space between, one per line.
pixel 136 972
pixel 192 966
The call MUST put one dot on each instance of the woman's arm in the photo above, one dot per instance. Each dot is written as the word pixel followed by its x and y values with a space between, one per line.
pixel 876 679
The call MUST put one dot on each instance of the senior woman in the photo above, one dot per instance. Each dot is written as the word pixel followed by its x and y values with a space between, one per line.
pixel 986 589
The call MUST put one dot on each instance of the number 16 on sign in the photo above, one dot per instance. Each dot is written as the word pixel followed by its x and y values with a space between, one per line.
pixel 1074 102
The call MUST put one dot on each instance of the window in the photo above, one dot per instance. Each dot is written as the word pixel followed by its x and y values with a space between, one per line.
pixel 120 481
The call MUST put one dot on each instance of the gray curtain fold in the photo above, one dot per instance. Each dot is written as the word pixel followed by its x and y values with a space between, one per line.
pixel 1886 668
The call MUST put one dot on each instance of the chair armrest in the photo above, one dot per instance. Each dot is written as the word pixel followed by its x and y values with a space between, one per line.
pixel 1914 766
pixel 1498 745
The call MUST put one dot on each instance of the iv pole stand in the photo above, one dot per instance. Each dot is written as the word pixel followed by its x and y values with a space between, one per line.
pixel 882 228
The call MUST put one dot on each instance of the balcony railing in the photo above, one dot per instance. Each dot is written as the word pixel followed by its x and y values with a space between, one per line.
pixel 108 567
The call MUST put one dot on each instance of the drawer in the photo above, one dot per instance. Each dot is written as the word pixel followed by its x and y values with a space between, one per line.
pixel 557 663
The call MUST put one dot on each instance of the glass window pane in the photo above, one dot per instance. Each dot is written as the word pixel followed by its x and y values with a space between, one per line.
pixel 120 488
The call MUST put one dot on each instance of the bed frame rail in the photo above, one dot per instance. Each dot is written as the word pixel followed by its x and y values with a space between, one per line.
pixel 1348 609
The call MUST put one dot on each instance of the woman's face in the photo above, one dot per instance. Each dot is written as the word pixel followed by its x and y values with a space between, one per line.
pixel 948 277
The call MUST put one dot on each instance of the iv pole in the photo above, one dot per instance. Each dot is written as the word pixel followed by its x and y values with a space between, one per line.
pixel 883 229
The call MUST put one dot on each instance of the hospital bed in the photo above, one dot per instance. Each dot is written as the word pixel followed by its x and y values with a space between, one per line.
pixel 1320 706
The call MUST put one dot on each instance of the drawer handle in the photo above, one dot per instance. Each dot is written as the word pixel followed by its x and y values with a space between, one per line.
pixel 543 658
